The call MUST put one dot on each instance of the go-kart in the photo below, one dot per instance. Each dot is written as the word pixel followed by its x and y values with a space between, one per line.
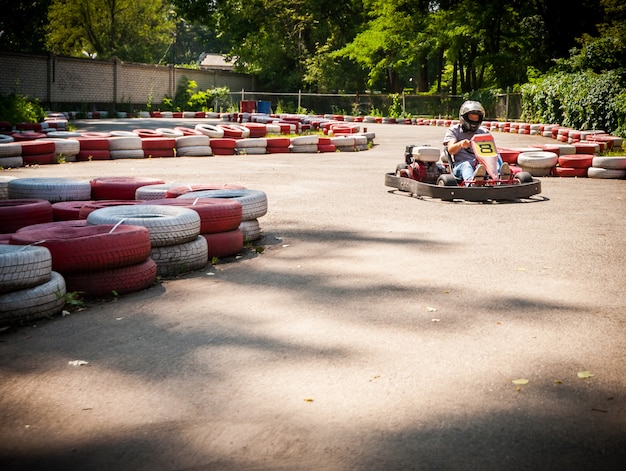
pixel 427 172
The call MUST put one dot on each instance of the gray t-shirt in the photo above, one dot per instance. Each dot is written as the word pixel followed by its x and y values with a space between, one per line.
pixel 455 133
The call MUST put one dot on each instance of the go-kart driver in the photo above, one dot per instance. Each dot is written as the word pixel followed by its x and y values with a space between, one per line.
pixel 458 142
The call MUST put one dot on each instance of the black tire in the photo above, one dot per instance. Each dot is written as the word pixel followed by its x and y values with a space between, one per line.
pixel 447 180
pixel 399 167
pixel 524 177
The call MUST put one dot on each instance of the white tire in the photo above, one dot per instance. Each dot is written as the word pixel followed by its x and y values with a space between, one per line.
pixel 11 162
pixel 63 134
pixel 342 141
pixel 51 189
pixel 173 260
pixel 608 173
pixel 168 225
pixel 193 140
pixel 615 163
pixel 210 130
pixel 251 142
pixel 4 138
pixel 66 146
pixel 194 151
pixel 251 230
pixel 537 159
pixel 251 151
pixel 303 149
pixel 153 192
pixel 123 134
pixel 44 300
pixel 169 132
pixel 311 140
pixel 125 143
pixel 10 149
pixel 127 154
pixel 23 266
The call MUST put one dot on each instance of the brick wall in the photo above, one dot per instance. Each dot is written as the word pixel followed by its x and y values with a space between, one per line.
pixel 85 83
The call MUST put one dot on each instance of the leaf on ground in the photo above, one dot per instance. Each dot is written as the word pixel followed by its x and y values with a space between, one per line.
pixel 77 362
pixel 520 381
pixel 585 374
pixel 431 309
pixel 308 399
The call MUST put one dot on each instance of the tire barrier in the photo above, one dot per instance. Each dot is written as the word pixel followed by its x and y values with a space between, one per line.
pixel 89 247
pixel 23 267
pixel 4 186
pixel 168 225
pixel 51 189
pixel 41 301
pixel 18 213
pixel 119 188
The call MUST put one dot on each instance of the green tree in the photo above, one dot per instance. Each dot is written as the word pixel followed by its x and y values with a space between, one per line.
pixel 22 25
pixel 132 30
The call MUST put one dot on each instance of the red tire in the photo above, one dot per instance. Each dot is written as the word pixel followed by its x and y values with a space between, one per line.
pixel 187 131
pixel 119 188
pixel 223 151
pixel 40 159
pixel 88 155
pixel 256 129
pixel 27 136
pixel 158 143
pixel 224 244
pixel 93 143
pixel 88 207
pixel 147 133
pixel 18 213
pixel 326 148
pixel 113 281
pixel 37 147
pixel 580 161
pixel 216 214
pixel 223 143
pixel 159 153
pixel 279 142
pixel 570 172
pixel 67 210
pixel 277 150
pixel 176 191
pixel 90 247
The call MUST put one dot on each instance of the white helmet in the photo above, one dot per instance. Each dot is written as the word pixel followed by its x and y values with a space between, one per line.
pixel 467 108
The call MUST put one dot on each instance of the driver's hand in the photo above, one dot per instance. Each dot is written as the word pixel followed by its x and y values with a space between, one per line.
pixel 465 143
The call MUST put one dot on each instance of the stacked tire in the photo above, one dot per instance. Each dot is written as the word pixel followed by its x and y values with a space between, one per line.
pixel 93 146
pixel 537 163
pixel 51 189
pixel 193 145
pixel 176 245
pixel 38 152
pixel 253 204
pixel 126 147
pixel 10 154
pixel 607 167
pixel 219 222
pixel 29 288
pixel 95 260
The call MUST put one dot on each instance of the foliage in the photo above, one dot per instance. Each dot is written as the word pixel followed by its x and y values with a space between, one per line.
pixel 131 30
pixel 16 108
pixel 22 25
pixel 188 98
pixel 582 100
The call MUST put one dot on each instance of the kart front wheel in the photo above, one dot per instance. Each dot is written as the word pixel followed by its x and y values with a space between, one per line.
pixel 446 180
pixel 524 177
pixel 399 167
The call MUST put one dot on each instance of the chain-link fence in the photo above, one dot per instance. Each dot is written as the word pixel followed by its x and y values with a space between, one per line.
pixel 506 106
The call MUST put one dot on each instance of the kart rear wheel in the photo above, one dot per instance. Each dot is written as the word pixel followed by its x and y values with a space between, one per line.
pixel 446 179
pixel 524 177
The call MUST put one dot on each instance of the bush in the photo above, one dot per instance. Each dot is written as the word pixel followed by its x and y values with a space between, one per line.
pixel 582 100
pixel 20 109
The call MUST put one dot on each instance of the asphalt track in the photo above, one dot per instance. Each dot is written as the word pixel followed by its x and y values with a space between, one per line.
pixel 376 331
